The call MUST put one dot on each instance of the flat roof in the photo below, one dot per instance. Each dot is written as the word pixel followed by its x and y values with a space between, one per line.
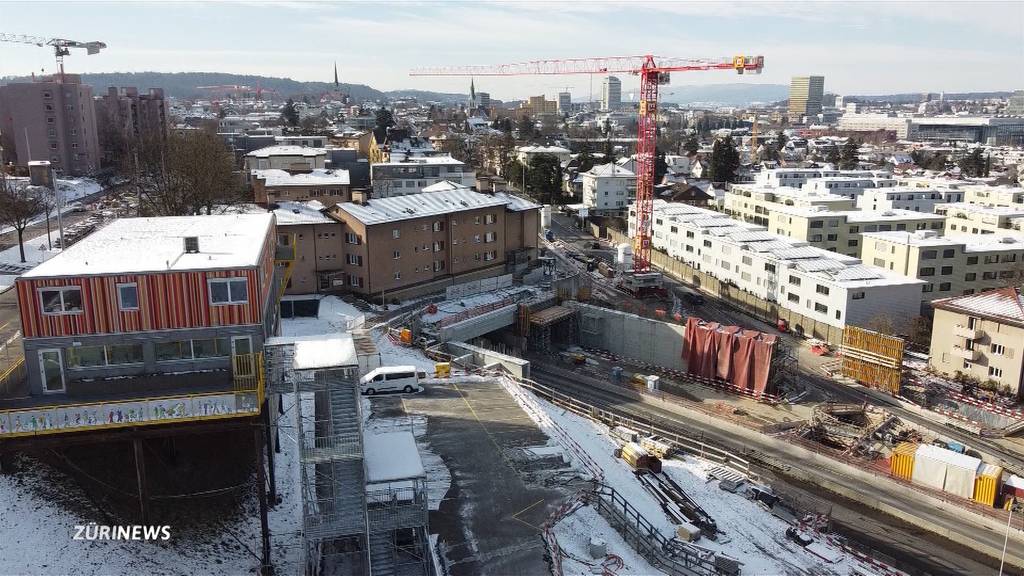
pixel 381 210
pixel 391 456
pixel 287 150
pixel 324 352
pixel 317 177
pixel 296 213
pixel 983 209
pixel 139 245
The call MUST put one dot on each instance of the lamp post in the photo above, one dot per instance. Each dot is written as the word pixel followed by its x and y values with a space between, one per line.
pixel 1006 538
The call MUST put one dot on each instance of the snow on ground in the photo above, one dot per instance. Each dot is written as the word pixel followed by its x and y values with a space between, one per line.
pixel 36 251
pixel 392 354
pixel 751 534
pixel 456 305
pixel 335 315
pixel 72 189
pixel 574 533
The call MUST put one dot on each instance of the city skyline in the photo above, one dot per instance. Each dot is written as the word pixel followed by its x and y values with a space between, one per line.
pixel 865 48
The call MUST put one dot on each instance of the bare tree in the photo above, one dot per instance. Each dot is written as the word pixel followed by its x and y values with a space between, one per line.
pixel 195 175
pixel 19 204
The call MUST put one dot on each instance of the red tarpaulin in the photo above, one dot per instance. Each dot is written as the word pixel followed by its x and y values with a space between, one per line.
pixel 741 357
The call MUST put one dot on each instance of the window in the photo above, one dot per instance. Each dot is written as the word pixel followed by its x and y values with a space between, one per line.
pixel 61 300
pixel 490 219
pixel 354 259
pixel 747 260
pixel 92 356
pixel 988 275
pixel 832 237
pixel 228 290
pixel 995 372
pixel 793 297
pixel 438 226
pixel 816 238
pixel 476 239
pixel 398 276
pixel 128 296
pixel 490 237
pixel 852 243
pixel 476 220
pixel 124 354
pixel 857 295
pixel 880 262
pixel 817 224
pixel 819 307
pixel 854 229
pixel 488 256
pixel 352 238
pixel 944 287
pixel 927 272
pixel 395 233
pixel 794 280
pixel 438 245
pixel 972 322
pixel 438 265
pixel 948 253
pixel 821 289
pixel 769 267
pixel 928 288
pixel 972 260
pixel 354 280
pixel 396 255
pixel 997 349
pixel 929 254
pixel 970 276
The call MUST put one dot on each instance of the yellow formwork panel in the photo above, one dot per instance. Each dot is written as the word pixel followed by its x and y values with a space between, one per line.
pixel 987 485
pixel 902 461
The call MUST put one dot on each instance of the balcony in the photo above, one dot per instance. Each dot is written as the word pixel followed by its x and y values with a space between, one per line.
pixel 968 333
pixel 961 352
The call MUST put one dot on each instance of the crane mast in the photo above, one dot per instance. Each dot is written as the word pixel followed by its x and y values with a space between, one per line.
pixel 61 46
pixel 653 71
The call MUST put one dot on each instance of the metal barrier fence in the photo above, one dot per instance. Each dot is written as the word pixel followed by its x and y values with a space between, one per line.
pixel 12 378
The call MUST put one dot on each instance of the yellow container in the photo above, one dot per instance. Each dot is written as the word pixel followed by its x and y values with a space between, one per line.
pixel 406 336
pixel 903 460
pixel 443 369
pixel 987 484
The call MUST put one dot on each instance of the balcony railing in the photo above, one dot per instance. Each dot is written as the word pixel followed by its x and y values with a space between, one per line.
pixel 965 332
pixel 961 352
pixel 244 398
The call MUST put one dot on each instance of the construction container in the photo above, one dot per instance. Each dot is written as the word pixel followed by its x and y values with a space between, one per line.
pixel 443 369
pixel 656 446
pixel 988 484
pixel 406 336
pixel 902 462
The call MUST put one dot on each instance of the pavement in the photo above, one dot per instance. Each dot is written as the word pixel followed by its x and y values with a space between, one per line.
pixel 489 521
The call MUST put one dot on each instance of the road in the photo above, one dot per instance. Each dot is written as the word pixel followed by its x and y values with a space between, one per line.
pixel 915 550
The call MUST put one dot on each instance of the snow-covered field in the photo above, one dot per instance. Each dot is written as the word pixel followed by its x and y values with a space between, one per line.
pixel 335 315
pixel 37 251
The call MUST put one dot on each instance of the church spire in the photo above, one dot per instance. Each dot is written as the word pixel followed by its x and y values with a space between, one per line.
pixel 336 85
pixel 472 92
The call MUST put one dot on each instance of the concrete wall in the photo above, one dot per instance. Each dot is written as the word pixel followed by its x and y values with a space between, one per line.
pixel 483 357
pixel 479 325
pixel 631 336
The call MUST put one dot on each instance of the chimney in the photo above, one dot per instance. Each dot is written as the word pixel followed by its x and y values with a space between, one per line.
pixel 360 196
pixel 191 244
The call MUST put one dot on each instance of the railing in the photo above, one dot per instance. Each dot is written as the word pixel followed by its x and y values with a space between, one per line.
pixel 247 373
pixel 11 378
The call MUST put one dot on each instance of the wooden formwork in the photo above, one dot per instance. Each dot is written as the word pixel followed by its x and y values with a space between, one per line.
pixel 873 358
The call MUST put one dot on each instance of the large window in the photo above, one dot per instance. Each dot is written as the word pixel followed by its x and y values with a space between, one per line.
pixel 190 349
pixel 229 290
pixel 61 300
pixel 128 296
pixel 92 356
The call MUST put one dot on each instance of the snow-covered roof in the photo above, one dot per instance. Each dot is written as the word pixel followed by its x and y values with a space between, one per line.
pixel 406 160
pixel 327 351
pixel 445 186
pixel 286 150
pixel 1003 304
pixel 380 210
pixel 516 203
pixel 318 177
pixel 391 456
pixel 542 150
pixel 295 213
pixel 138 245
pixel 609 170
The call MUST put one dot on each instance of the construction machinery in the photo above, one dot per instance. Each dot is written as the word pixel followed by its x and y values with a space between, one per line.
pixel 654 71
pixel 61 46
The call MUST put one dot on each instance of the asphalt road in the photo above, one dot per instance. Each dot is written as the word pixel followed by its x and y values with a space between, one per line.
pixel 918 551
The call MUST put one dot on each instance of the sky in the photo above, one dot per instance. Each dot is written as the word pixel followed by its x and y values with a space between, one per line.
pixel 860 47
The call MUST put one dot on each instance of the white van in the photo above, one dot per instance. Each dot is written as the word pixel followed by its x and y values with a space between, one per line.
pixel 391 379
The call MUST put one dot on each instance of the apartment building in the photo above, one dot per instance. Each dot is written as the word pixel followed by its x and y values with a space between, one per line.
pixel 413 174
pixel 135 116
pixel 841 231
pixel 421 241
pixel 981 336
pixel 830 288
pixel 525 154
pixel 51 120
pixel 317 242
pixel 948 266
pixel 608 189
pixel 1008 196
pixel 907 198
pixel 288 158
pixel 848 186
pixel 306 141
pixel 323 185
pixel 159 318
pixel 752 203
pixel 965 218
pixel 797 177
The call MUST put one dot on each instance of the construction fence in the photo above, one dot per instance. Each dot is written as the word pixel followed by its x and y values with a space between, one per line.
pixel 770 312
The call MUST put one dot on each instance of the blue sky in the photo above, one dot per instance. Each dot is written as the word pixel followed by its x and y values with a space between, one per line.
pixel 860 47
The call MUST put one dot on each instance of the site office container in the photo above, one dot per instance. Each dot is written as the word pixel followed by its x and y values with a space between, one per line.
pixel 988 484
pixel 902 461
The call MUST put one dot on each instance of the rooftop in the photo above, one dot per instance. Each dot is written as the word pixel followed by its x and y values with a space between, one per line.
pixel 296 213
pixel 136 245
pixel 317 177
pixel 286 150
pixel 970 242
pixel 609 170
pixel 981 209
pixel 324 352
pixel 391 456
pixel 439 159
pixel 381 210
pixel 1002 304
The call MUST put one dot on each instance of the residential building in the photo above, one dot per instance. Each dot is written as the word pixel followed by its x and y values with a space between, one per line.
pixel 841 231
pixel 416 244
pixel 137 117
pixel 51 120
pixel 964 218
pixel 413 174
pixel 947 265
pixel 1008 196
pixel 906 198
pixel 753 203
pixel 611 93
pixel 525 154
pixel 165 317
pixel 848 186
pixel 805 95
pixel 317 241
pixel 356 139
pixel 564 102
pixel 608 189
pixel 323 185
pixel 981 336
pixel 826 287
pixel 797 177
pixel 289 158
pixel 302 140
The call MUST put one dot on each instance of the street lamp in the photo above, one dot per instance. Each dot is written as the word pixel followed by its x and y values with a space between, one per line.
pixel 1006 539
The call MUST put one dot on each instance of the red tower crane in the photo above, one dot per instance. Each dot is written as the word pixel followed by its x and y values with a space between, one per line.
pixel 653 71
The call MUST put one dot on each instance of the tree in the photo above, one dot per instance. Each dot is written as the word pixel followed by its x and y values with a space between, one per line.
pixel 385 119
pixel 196 175
pixel 526 128
pixel 544 178
pixel 692 145
pixel 289 114
pixel 832 156
pixel 19 204
pixel 973 165
pixel 849 159
pixel 725 160
pixel 585 161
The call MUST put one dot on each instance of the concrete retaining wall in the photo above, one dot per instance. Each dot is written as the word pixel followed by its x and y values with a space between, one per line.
pixel 631 336
pixel 483 357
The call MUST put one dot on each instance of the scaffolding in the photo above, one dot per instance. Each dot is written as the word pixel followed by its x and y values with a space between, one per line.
pixel 547 326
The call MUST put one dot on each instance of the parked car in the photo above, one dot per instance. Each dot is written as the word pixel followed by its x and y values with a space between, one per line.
pixel 391 379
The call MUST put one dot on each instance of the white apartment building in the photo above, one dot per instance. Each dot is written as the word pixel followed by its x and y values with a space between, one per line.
pixel 830 288
pixel 907 198
pixel 848 186
pixel 608 189
pixel 752 203
pixel 948 266
pixel 964 218
pixel 526 153
pixel 413 174
pixel 293 158
pixel 1008 196
pixel 796 177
